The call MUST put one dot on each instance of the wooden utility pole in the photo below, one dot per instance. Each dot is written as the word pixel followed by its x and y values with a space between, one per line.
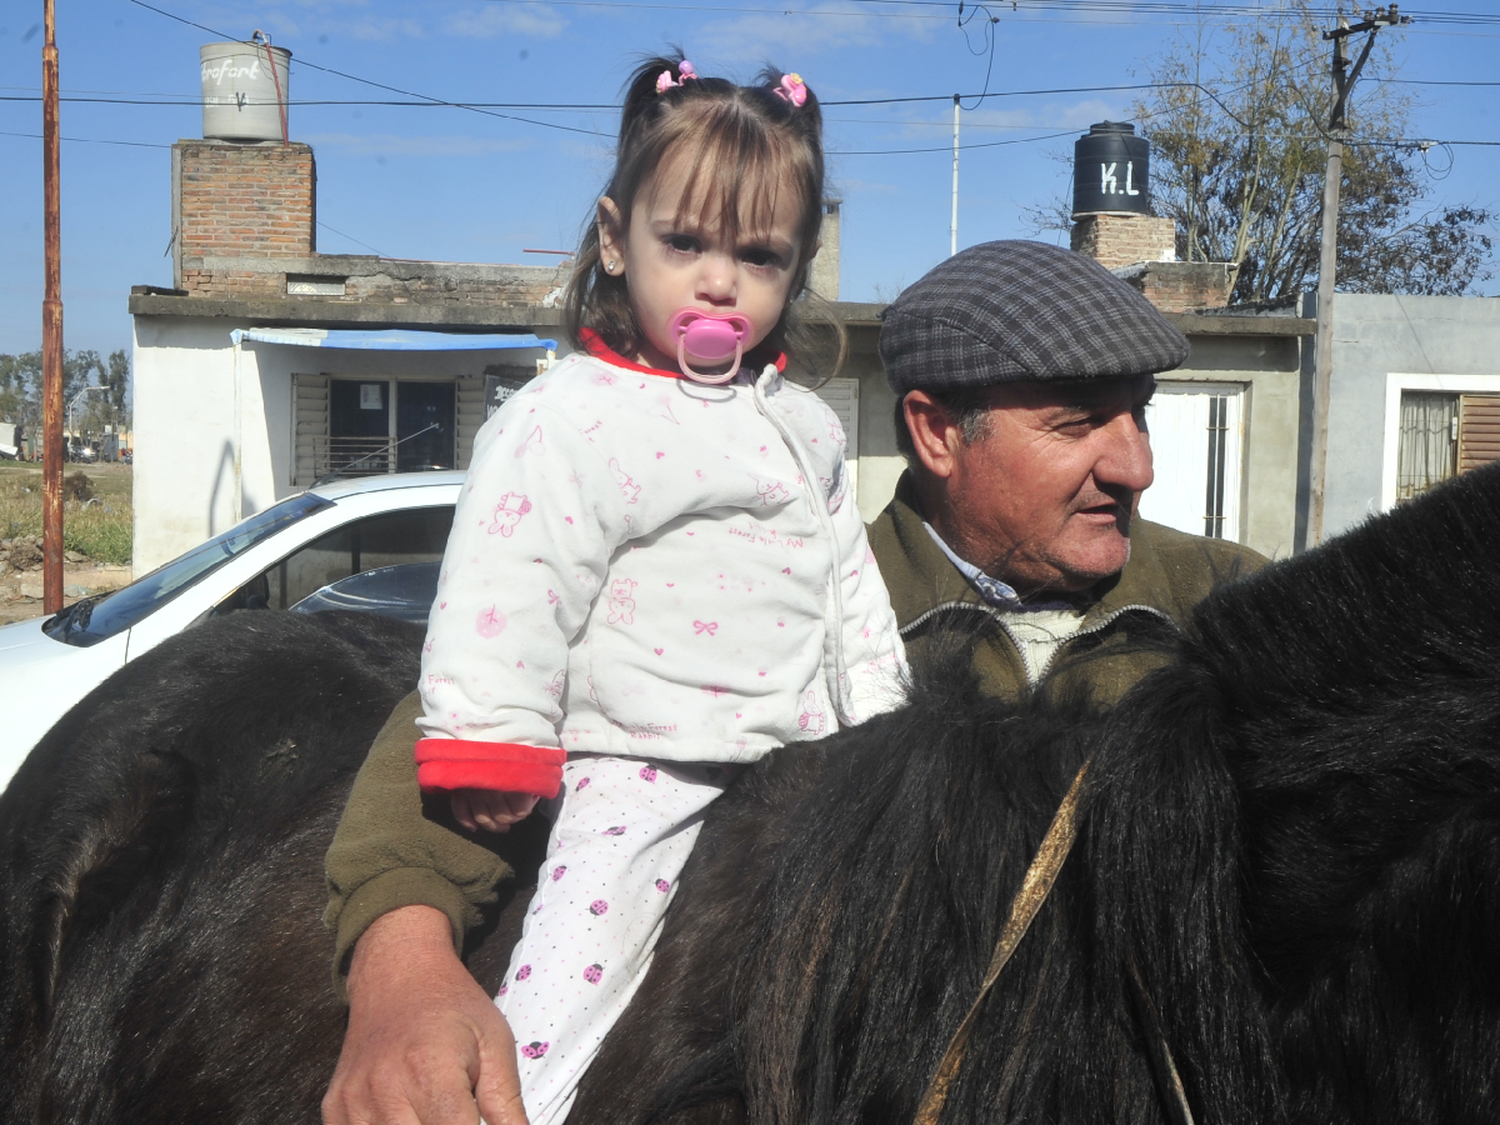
pixel 52 331
pixel 1343 84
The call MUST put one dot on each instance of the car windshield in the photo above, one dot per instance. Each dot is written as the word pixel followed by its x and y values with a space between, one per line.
pixel 92 620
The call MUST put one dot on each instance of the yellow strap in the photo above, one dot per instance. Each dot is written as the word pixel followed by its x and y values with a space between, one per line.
pixel 1040 877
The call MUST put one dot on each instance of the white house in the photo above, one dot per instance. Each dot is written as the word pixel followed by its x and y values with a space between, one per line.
pixel 268 365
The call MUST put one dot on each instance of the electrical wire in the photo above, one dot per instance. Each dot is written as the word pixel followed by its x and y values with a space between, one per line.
pixel 379 85
pixel 88 140
pixel 942 10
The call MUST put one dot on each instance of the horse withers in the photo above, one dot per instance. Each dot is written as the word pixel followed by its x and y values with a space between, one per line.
pixel 1281 901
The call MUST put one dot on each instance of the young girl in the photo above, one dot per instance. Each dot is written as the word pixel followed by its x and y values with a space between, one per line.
pixel 657 569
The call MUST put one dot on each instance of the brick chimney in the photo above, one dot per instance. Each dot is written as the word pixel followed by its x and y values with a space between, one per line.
pixel 1116 239
pixel 232 200
pixel 1141 250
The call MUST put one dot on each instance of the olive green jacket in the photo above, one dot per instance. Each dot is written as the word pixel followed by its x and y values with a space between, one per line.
pixel 1169 572
pixel 392 849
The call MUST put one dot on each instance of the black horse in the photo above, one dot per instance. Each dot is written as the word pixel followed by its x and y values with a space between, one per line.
pixel 1282 900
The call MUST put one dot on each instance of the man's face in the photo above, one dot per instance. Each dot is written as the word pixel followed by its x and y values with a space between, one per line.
pixel 1043 498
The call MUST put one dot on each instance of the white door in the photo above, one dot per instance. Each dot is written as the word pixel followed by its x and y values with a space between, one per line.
pixel 1197 446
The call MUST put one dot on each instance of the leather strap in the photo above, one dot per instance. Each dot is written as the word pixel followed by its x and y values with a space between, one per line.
pixel 1040 877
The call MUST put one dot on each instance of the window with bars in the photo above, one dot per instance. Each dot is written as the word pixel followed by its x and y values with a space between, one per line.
pixel 368 426
pixel 1197 448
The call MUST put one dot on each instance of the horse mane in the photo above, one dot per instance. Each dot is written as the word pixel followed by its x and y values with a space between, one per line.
pixel 1344 707
pixel 879 923
pixel 1317 763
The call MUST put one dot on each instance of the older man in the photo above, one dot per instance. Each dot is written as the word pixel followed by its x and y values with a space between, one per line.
pixel 1024 372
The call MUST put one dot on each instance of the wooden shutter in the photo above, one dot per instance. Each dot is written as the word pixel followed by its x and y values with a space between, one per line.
pixel 309 428
pixel 1478 431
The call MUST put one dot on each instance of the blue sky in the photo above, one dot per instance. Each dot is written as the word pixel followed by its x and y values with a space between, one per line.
pixel 449 184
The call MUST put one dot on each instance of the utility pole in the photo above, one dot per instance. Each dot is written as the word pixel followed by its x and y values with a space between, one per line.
pixel 1343 85
pixel 953 225
pixel 52 330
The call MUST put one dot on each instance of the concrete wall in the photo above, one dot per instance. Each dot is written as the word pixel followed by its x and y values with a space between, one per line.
pixel 1380 345
pixel 185 434
pixel 1268 367
pixel 185 422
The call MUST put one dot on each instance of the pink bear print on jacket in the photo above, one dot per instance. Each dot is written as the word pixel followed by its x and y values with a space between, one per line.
pixel 771 492
pixel 621 602
pixel 628 488
pixel 508 513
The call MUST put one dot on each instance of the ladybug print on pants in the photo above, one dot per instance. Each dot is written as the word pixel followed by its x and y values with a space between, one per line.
pixel 617 848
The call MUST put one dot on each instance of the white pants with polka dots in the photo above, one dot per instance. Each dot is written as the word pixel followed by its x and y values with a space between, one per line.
pixel 624 828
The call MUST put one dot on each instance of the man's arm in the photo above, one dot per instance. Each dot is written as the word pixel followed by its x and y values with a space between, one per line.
pixel 425 1044
pixel 388 854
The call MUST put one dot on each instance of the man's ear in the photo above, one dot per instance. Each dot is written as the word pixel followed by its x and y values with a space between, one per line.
pixel 611 235
pixel 934 434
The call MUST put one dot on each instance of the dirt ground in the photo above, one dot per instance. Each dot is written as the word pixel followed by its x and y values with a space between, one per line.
pixel 21 592
pixel 20 561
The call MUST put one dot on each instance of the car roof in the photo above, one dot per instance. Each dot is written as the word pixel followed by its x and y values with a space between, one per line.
pixel 356 486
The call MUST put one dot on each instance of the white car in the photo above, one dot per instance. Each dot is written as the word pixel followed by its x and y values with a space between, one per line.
pixel 373 543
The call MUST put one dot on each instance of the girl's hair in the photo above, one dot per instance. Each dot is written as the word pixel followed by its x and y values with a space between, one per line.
pixel 742 143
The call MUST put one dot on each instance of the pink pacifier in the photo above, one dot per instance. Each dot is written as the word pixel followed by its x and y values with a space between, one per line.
pixel 709 338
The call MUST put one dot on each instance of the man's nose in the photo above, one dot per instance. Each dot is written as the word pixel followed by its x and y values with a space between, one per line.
pixel 1125 459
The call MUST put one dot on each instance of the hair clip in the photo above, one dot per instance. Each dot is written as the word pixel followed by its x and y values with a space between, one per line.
pixel 791 89
pixel 664 80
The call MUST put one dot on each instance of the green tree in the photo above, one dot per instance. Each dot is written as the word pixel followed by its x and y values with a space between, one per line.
pixel 19 374
pixel 117 379
pixel 21 387
pixel 1238 155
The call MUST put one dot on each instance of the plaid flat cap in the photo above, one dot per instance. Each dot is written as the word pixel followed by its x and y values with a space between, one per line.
pixel 1006 311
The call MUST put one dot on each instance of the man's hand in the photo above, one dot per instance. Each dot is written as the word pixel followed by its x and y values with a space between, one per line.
pixel 425 1044
pixel 491 810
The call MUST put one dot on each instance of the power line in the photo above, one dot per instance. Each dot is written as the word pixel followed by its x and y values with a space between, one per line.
pixel 351 238
pixel 943 10
pixel 378 85
pixel 540 107
pixel 88 140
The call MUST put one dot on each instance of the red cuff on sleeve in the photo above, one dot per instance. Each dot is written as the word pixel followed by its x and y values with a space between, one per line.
pixel 507 767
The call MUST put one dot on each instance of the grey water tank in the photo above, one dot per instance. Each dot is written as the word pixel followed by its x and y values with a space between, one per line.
pixel 1111 171
pixel 245 91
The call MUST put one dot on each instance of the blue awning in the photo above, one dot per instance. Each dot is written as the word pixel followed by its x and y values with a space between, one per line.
pixel 389 339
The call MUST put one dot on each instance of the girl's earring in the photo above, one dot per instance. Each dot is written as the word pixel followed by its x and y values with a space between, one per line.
pixel 609 266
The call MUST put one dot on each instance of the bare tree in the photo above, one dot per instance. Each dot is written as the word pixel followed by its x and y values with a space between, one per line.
pixel 1238 161
pixel 1237 132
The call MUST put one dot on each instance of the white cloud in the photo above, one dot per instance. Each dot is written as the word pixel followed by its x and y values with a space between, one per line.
pixel 392 144
pixel 487 22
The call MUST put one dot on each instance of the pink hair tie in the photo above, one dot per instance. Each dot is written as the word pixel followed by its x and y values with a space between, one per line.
pixel 664 81
pixel 792 89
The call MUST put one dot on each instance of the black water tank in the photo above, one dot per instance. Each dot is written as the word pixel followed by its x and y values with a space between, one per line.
pixel 1111 170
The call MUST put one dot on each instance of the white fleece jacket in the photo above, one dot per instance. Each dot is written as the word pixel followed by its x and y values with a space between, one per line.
pixel 641 565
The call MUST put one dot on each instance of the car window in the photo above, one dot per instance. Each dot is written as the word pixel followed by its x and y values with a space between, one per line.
pixel 92 620
pixel 416 535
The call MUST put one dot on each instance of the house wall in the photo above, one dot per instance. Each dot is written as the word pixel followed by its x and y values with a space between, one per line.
pixel 1269 368
pixel 185 440
pixel 185 436
pixel 1381 343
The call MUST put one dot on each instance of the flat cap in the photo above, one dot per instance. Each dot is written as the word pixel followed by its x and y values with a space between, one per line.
pixel 1007 311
